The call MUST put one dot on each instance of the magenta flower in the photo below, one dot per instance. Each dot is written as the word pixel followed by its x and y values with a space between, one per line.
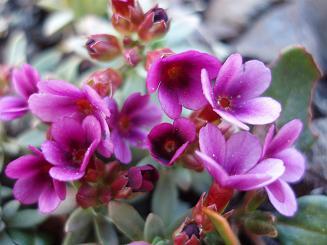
pixel 58 99
pixel 128 127
pixel 168 141
pixel 25 84
pixel 281 147
pixel 177 78
pixel 235 163
pixel 142 178
pixel 34 184
pixel 72 147
pixel 234 95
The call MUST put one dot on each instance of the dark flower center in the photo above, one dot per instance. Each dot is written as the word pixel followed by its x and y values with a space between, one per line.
pixel 224 102
pixel 192 229
pixel 170 146
pixel 124 123
pixel 174 72
pixel 46 167
pixel 78 155
pixel 84 106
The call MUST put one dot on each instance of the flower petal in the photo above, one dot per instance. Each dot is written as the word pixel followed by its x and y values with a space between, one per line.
pixel 213 168
pixel 60 188
pixel 96 100
pixel 212 143
pixel 178 153
pixel 12 107
pixel 169 101
pixel 92 129
pixel 48 200
pixel 185 128
pixel 153 76
pixel 285 137
pixel 243 151
pixel 23 166
pixel 25 80
pixel 207 88
pixel 66 173
pixel 282 197
pixel 54 154
pixel 257 111
pixel 268 139
pixel 294 164
pixel 121 148
pixel 61 88
pixel 227 116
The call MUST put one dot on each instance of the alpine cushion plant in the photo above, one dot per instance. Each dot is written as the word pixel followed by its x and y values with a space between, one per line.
pixel 111 151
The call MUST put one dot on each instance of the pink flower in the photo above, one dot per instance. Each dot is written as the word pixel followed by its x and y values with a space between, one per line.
pixel 25 84
pixel 72 147
pixel 235 163
pixel 57 99
pixel 234 95
pixel 34 184
pixel 129 125
pixel 280 146
pixel 178 80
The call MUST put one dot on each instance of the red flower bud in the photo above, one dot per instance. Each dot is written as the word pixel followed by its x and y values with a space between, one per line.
pixel 105 82
pixel 87 195
pixel 154 25
pixel 152 56
pixel 189 233
pixel 142 178
pixel 132 56
pixel 103 47
pixel 122 7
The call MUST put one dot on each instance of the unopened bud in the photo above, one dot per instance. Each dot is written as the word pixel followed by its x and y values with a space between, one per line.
pixel 122 7
pixel 132 56
pixel 154 25
pixel 103 47
pixel 105 82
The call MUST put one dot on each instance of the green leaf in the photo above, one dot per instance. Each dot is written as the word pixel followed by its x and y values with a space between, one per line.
pixel 104 231
pixel 5 192
pixel 5 239
pixel 127 220
pixel 2 157
pixel 26 218
pixel 153 227
pixel 10 209
pixel 68 69
pixel 57 21
pixel 78 220
pixel 33 137
pixel 16 49
pixel 293 77
pixel 164 200
pixel 46 61
pixel 308 226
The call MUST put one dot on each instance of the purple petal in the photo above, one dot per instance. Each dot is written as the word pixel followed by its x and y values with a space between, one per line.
pixel 178 153
pixel 25 80
pixel 294 164
pixel 68 132
pixel 231 119
pixel 285 137
pixel 54 153
pixel 135 104
pixel 88 155
pixel 258 111
pixel 92 129
pixel 207 88
pixel 212 143
pixel 136 137
pixel 12 107
pixel 60 188
pixel 254 80
pixel 96 100
pixel 121 148
pixel 268 139
pixel 243 151
pixel 282 197
pixel 48 200
pixel 169 101
pixel 213 168
pixel 148 117
pixel 185 128
pixel 264 173
pixel 230 71
pixel 135 177
pixel 27 190
pixel 44 106
pixel 23 166
pixel 153 77
pixel 61 88
pixel 66 173
pixel 114 112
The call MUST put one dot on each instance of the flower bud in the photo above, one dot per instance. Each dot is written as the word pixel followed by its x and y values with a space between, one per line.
pixel 105 82
pixel 142 178
pixel 189 233
pixel 154 25
pixel 103 47
pixel 122 7
pixel 132 56
pixel 152 56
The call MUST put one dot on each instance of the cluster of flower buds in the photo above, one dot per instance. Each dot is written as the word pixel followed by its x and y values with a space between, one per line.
pixel 128 18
